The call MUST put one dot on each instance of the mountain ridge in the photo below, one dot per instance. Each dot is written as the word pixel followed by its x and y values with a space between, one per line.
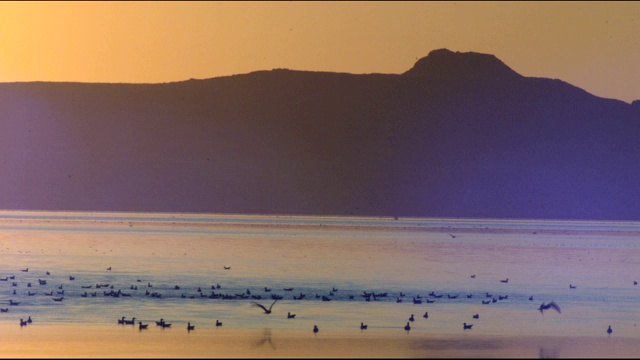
pixel 499 145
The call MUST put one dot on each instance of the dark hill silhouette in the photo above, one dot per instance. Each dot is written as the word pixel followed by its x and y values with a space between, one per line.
pixel 458 135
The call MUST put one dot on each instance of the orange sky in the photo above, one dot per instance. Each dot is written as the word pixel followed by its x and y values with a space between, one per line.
pixel 593 45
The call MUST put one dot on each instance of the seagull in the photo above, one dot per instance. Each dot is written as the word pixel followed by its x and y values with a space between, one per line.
pixel 218 323
pixel 476 316
pixel 452 236
pixel 290 315
pixel 315 328
pixel 363 326
pixel 609 331
pixel 426 315
pixel 142 326
pixel 465 326
pixel 411 318
pixel 551 305
pixel 407 327
pixel 266 311
pixel 190 327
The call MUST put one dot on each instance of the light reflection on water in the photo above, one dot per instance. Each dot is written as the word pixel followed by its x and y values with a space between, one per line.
pixel 145 249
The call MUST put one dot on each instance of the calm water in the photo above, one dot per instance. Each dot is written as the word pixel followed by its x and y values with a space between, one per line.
pixel 150 254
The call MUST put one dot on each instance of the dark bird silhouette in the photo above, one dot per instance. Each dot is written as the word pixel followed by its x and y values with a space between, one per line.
pixel 426 315
pixel 407 327
pixel 363 326
pixel 476 316
pixel 452 236
pixel 218 323
pixel 315 328
pixel 572 286
pixel 473 276
pixel 551 305
pixel 290 315
pixel 142 326
pixel 465 326
pixel 30 321
pixel 504 281
pixel 266 311
pixel 227 267
pixel 23 322
pixel 190 327
pixel 609 331
pixel 411 318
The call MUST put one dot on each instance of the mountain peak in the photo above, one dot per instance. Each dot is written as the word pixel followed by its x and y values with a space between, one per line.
pixel 448 64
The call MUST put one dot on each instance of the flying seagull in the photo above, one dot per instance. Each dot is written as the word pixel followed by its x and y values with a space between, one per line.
pixel 551 305
pixel 266 311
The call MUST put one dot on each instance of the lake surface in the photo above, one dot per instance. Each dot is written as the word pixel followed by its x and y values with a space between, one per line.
pixel 172 266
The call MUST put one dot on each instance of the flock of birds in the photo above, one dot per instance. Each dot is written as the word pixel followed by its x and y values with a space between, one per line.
pixel 368 296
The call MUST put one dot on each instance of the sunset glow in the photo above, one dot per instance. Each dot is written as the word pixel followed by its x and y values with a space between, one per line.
pixel 592 45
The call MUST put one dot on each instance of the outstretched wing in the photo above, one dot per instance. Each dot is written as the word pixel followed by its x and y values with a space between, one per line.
pixel 274 301
pixel 554 306
pixel 263 308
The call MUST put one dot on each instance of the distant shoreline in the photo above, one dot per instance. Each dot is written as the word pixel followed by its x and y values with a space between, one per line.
pixel 52 220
